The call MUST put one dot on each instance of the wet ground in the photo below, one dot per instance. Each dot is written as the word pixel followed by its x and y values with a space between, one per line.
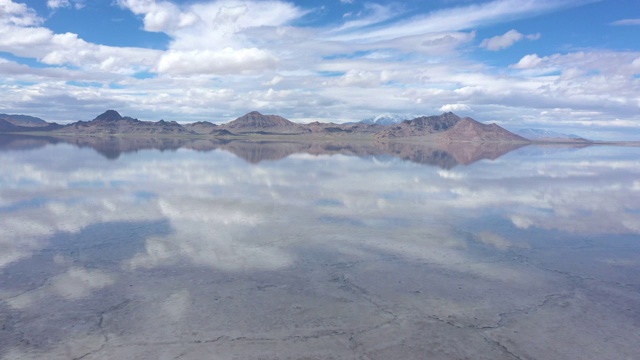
pixel 203 255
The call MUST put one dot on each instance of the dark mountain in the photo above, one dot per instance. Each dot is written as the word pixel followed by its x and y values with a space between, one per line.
pixel 448 127
pixel 111 122
pixel 331 129
pixel 24 120
pixel 421 126
pixel 6 126
pixel 109 116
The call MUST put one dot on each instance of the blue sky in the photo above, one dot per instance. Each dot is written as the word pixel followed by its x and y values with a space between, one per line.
pixel 564 65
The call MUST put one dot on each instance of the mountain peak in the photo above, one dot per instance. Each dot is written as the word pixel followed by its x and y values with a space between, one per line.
pixel 109 115
pixel 386 119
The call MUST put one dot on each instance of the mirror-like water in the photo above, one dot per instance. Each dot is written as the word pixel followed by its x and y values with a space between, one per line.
pixel 112 249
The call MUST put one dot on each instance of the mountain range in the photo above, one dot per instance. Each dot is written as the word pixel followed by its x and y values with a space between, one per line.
pixel 386 119
pixel 446 127
pixel 443 155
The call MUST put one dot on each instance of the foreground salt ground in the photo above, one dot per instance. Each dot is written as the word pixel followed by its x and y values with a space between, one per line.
pixel 189 256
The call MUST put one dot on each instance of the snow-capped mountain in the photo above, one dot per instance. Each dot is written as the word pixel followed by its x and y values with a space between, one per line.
pixel 387 119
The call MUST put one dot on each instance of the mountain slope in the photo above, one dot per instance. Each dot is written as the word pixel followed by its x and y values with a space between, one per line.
pixel 385 119
pixel 468 129
pixel 255 122
pixel 8 127
pixel 448 127
pixel 111 122
pixel 24 120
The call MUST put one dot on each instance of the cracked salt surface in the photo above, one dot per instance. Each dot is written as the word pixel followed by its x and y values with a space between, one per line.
pixel 530 256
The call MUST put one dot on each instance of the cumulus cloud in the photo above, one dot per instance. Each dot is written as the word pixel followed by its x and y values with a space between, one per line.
pixel 454 107
pixel 23 37
pixel 504 41
pixel 226 61
pixel 17 14
pixel 359 78
pixel 528 62
pixel 225 56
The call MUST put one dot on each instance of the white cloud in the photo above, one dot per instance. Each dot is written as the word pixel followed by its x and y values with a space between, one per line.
pixel 17 14
pixel 359 78
pixel 211 62
pixel 454 108
pixel 504 41
pixel 229 56
pixel 626 22
pixel 54 4
pixel 528 62
pixel 22 37
pixel 453 19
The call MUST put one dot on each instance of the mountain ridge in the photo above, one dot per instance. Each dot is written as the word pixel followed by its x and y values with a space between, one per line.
pixel 445 127
pixel 23 120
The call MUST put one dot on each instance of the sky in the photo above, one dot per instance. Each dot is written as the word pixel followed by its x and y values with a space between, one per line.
pixel 571 66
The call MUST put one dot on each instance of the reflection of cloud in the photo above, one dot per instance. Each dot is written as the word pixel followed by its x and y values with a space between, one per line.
pixel 227 214
pixel 494 240
pixel 213 233
pixel 176 305
pixel 74 284
pixel 77 283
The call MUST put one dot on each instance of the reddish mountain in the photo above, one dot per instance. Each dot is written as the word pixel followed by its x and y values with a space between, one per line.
pixel 468 129
pixel 448 127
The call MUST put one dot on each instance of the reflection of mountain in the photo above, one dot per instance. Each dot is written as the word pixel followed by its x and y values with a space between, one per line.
pixel 444 155
pixel 448 155
pixel 25 142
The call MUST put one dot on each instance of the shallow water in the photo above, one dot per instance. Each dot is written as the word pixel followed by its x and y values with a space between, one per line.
pixel 114 249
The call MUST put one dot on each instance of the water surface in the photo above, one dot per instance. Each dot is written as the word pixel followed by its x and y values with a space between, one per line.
pixel 167 249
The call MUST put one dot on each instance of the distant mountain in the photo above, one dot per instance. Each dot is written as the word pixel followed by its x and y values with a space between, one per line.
pixel 337 130
pixel 547 135
pixel 448 127
pixel 111 122
pixel 109 116
pixel 386 119
pixel 6 126
pixel 255 122
pixel 201 127
pixel 24 120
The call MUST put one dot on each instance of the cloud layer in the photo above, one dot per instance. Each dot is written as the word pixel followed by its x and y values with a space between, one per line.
pixel 228 57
